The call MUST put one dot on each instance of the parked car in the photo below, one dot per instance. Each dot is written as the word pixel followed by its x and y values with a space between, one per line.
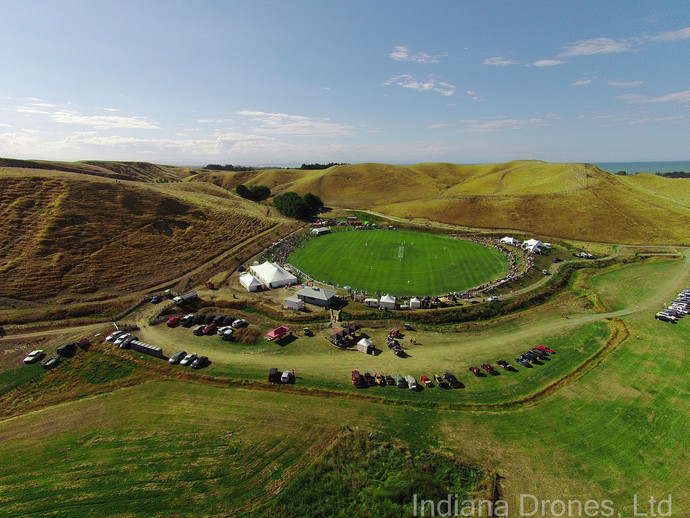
pixel 546 349
pixel 187 360
pixel 177 357
pixel 369 379
pixel 507 366
pixel 273 376
pixel 208 319
pixel 210 329
pixel 400 381
pixel 439 380
pixel 522 361
pixel 67 349
pixel 222 330
pixel 199 330
pixel 187 321
pixel 112 336
pixel 240 322
pixel 357 379
pixel 228 320
pixel 286 377
pixel 199 319
pixel 411 382
pixel 127 341
pixel 424 379
pixel 452 380
pixel 488 368
pixel 200 362
pixel 50 362
pixel 173 321
pixel 380 380
pixel 227 335
pixel 219 320
pixel 34 356
pixel 156 299
pixel 389 380
pixel 474 370
pixel 121 339
pixel 83 343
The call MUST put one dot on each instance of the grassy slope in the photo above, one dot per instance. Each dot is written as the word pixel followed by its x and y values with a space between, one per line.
pixel 140 171
pixel 431 265
pixel 617 431
pixel 66 232
pixel 574 201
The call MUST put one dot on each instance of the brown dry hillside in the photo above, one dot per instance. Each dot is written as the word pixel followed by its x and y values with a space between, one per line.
pixel 570 201
pixel 141 171
pixel 65 234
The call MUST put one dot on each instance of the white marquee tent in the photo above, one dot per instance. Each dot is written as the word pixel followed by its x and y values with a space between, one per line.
pixel 533 245
pixel 365 346
pixel 250 282
pixel 510 241
pixel 387 302
pixel 272 275
pixel 415 303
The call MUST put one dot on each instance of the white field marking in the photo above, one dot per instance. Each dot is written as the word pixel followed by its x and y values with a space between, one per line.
pixel 401 252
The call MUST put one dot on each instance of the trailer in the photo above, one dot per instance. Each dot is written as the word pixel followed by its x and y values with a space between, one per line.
pixel 184 298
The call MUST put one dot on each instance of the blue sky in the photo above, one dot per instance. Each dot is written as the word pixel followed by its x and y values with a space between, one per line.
pixel 282 83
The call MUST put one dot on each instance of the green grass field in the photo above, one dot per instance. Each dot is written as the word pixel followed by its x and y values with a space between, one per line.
pixel 187 448
pixel 399 262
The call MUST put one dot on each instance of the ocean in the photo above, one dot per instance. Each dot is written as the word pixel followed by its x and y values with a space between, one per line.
pixel 644 167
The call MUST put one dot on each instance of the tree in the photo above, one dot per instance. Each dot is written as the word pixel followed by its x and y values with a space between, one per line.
pixel 313 202
pixel 243 191
pixel 259 192
pixel 290 204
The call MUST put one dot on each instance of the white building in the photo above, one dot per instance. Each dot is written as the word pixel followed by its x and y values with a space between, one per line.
pixel 294 303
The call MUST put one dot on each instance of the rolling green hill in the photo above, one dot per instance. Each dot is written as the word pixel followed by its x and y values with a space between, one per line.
pixel 568 201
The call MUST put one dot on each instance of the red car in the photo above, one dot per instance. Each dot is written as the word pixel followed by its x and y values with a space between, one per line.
pixel 357 379
pixel 173 321
pixel 488 368
pixel 424 379
pixel 546 349
pixel 475 370
pixel 210 329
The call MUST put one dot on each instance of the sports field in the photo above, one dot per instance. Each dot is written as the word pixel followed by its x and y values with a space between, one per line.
pixel 399 262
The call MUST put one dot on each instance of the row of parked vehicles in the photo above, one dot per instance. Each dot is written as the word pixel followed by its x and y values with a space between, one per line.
pixel 535 355
pixel 275 376
pixel 63 351
pixel 207 324
pixel 407 381
pixel 192 360
pixel 678 308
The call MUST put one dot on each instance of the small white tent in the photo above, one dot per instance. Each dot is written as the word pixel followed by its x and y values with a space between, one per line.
pixel 415 303
pixel 250 282
pixel 365 346
pixel 510 241
pixel 272 275
pixel 294 303
pixel 387 302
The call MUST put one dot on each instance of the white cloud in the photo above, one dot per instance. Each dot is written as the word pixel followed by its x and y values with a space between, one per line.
pixel 30 110
pixel 547 63
pixel 625 84
pixel 484 126
pixel 594 46
pixel 431 85
pixel 101 121
pixel 664 37
pixel 675 97
pixel 582 82
pixel 111 109
pixel 439 125
pixel 402 53
pixel 499 61
pixel 285 124
pixel 652 120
